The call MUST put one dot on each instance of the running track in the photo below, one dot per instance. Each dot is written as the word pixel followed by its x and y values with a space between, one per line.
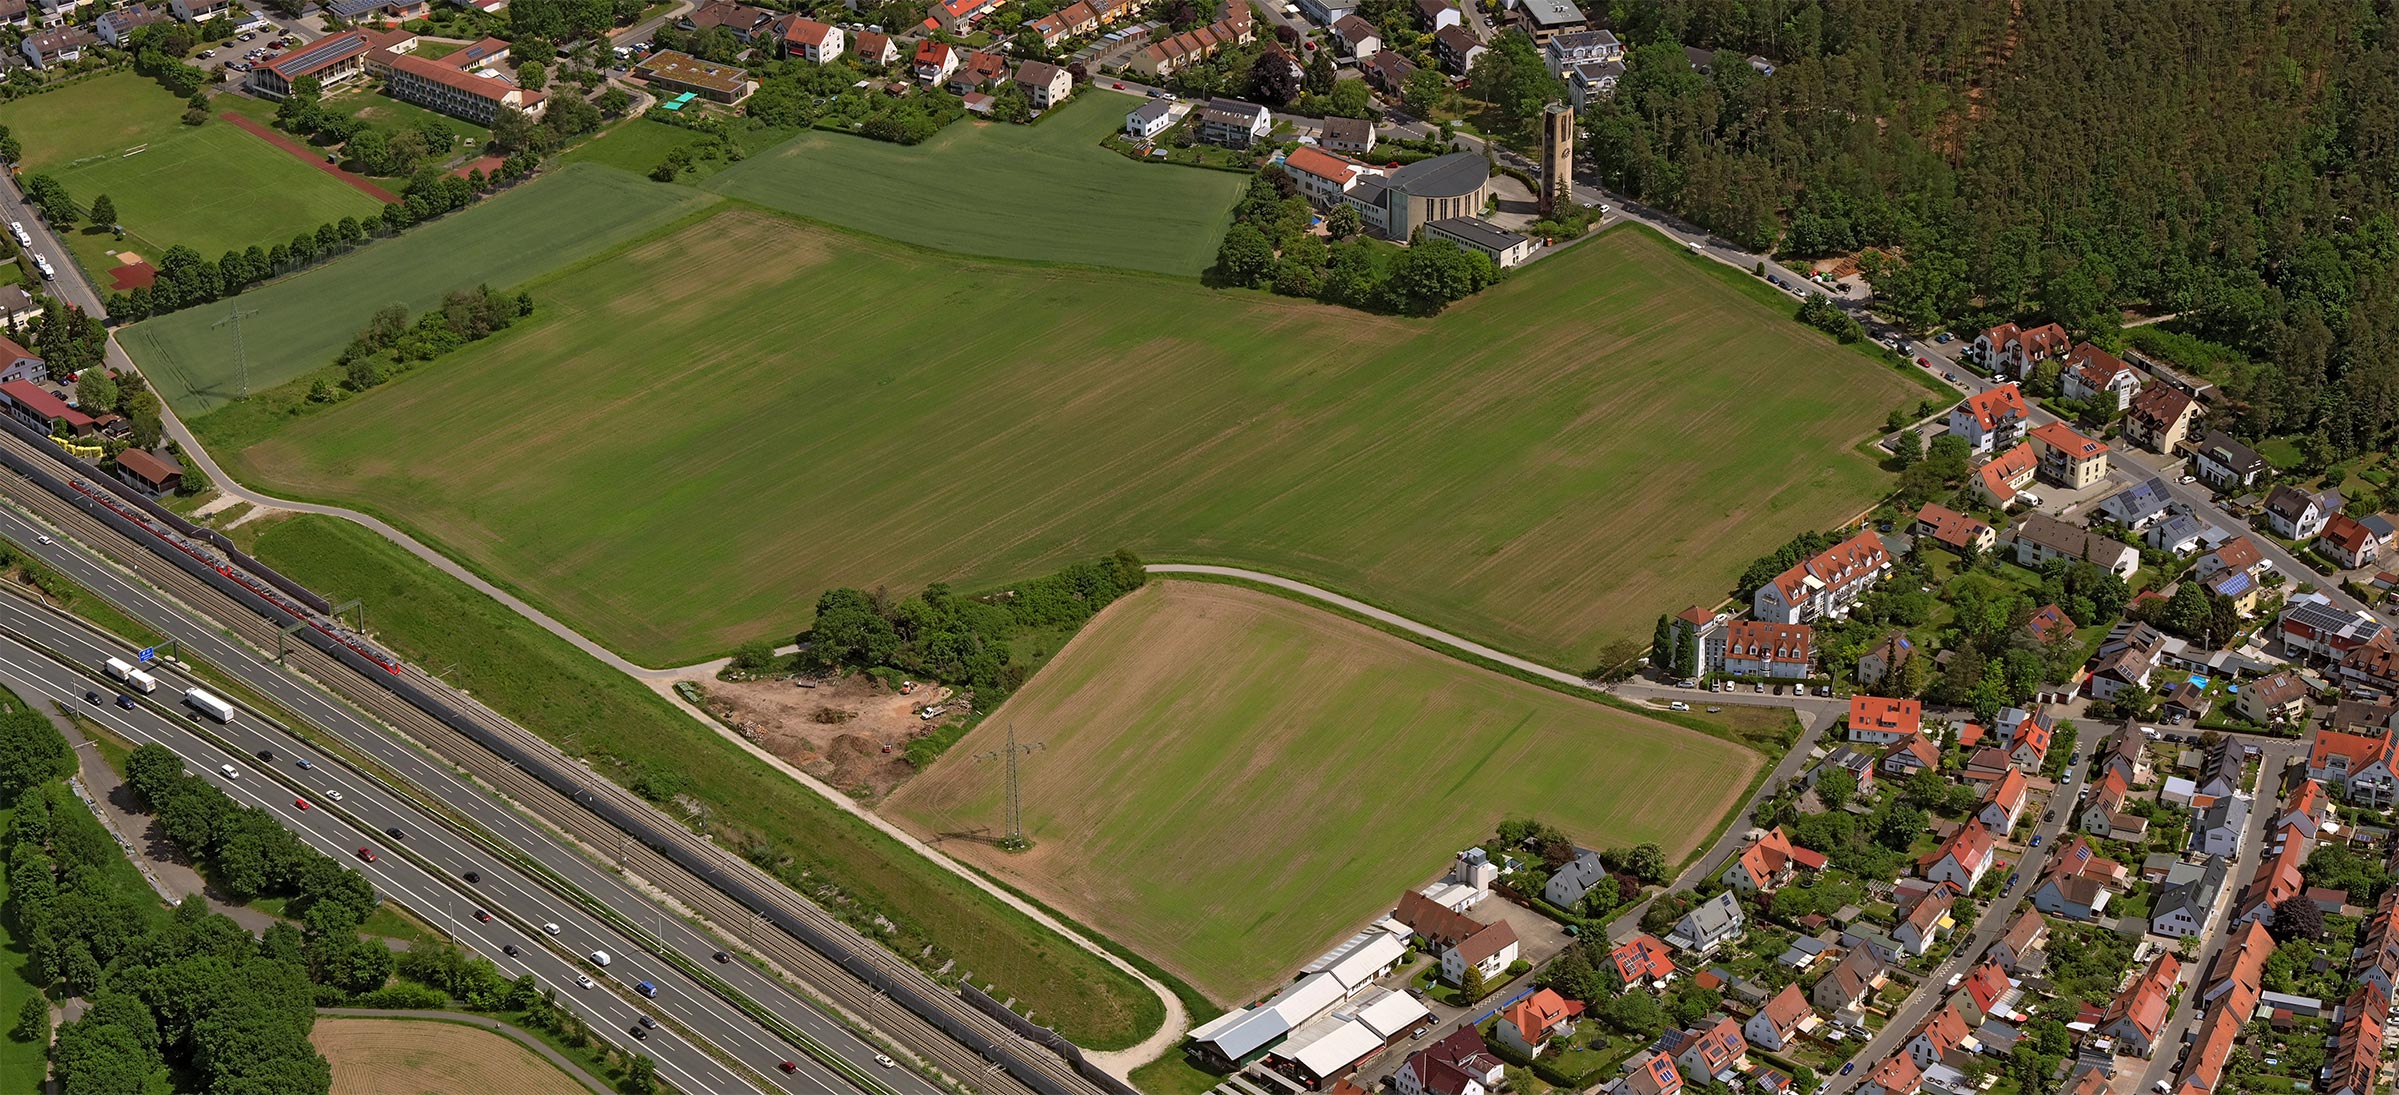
pixel 309 156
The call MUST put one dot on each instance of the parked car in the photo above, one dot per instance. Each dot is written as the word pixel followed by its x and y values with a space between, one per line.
pixel 2036 840
pixel 1678 705
pixel 1758 687
pixel 1848 1067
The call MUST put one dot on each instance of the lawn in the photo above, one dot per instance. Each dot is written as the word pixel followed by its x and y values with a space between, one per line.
pixel 1610 435
pixel 1231 781
pixel 213 188
pixel 406 1056
pixel 592 711
pixel 88 119
pixel 1046 192
pixel 376 108
pixel 302 322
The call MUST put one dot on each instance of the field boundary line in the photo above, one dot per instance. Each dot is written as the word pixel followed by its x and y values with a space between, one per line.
pixel 510 1031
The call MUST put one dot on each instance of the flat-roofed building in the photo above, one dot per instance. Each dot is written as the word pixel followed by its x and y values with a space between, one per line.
pixel 680 72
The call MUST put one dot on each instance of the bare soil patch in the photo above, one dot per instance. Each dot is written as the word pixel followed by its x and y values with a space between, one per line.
pixel 849 731
pixel 414 1057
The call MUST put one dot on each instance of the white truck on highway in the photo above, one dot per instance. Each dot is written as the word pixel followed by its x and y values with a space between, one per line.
pixel 124 671
pixel 209 705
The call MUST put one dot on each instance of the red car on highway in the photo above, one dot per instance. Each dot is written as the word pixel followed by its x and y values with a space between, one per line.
pixel 367 854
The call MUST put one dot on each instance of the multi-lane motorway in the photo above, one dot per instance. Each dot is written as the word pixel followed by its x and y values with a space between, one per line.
pixel 710 1017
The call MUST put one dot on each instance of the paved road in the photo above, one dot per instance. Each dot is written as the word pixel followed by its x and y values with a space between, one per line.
pixel 1967 952
pixel 425 881
pixel 425 773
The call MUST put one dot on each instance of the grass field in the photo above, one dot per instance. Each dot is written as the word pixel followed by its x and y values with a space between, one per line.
pixel 213 188
pixel 423 1057
pixel 1197 736
pixel 1609 435
pixel 301 322
pixel 1047 192
pixel 102 116
pixel 592 711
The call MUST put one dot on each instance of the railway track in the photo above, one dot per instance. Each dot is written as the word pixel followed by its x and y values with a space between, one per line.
pixel 830 980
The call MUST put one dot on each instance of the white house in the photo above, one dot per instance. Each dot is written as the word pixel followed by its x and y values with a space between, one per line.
pixel 1779 1021
pixel 2093 374
pixel 1149 119
pixel 1489 950
pixel 1709 924
pixel 1826 585
pixel 1962 860
pixel 1991 420
pixel 2295 514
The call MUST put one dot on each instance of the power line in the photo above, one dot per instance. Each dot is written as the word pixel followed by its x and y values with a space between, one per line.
pixel 241 356
pixel 1015 840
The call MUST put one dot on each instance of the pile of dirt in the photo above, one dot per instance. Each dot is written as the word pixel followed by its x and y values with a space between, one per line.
pixel 849 731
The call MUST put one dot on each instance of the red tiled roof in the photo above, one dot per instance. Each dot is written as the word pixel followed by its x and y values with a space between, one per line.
pixel 1991 407
pixel 2000 472
pixel 2143 1002
pixel 2345 533
pixel 1842 561
pixel 1311 160
pixel 31 396
pixel 1949 526
pixel 1642 959
pixel 807 32
pixel 2060 436
pixel 1882 714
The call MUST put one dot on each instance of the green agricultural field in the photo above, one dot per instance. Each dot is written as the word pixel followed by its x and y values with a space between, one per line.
pixel 676 463
pixel 1231 781
pixel 302 322
pixel 88 119
pixel 589 710
pixel 1046 193
pixel 213 189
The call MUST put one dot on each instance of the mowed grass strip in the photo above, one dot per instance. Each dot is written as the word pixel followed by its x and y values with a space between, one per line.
pixel 301 322
pixel 1230 781
pixel 590 710
pixel 418 1056
pixel 213 188
pixel 101 116
pixel 1047 193
pixel 708 428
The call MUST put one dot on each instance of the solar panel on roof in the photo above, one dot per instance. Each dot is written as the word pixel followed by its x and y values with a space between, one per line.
pixel 319 54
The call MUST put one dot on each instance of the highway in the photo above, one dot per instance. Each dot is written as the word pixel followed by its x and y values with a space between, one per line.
pixel 420 877
pixel 725 1027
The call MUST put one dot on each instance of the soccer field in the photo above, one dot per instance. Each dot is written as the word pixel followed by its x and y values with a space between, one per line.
pixel 1230 781
pixel 1046 192
pixel 101 116
pixel 213 189
pixel 676 462
pixel 302 322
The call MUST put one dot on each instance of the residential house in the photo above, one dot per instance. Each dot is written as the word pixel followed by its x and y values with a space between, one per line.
pixel 812 41
pixel 1756 648
pixel 2237 554
pixel 2280 698
pixel 981 70
pixel 148 473
pixel 1490 949
pixel 199 11
pixel 2161 417
pixel 1527 1025
pixel 116 26
pixel 1776 1024
pixel 2091 374
pixel 2049 624
pixel 2225 464
pixel 2376 960
pixel 874 48
pixel 2103 813
pixel 1897 1075
pixel 2217 829
pixel 2310 625
pixel 2039 538
pixel 959 16
pixel 16 13
pixel 2003 802
pixel 57 46
pixel 2353 1063
pixel 1358 37
pixel 19 363
pixel 2126 754
pixel 2000 479
pixel 1705 632
pixel 1713 1050
pixel 1506 249
pixel 2348 542
pixel 2306 811
pixel 1045 85
pixel 1825 585
pixel 2181 532
pixel 1860 766
pixel 1956 530
pixel 2294 514
pixel 1459 1064
pixel 2136 506
pixel 1580 47
pixel 935 61
pixel 1437 925
pixel 1911 755
pixel 1591 81
pixel 1991 420
pixel 1942 1031
pixel 18 308
pixel 2078 882
pixel 2137 1016
pixel 2025 935
pixel 1769 863
pixel 1890 656
pixel 1882 720
pixel 1543 20
pixel 2113 673
pixel 2182 906
pixel 1858 973
pixel 1433 15
pixel 1151 118
pixel 1355 136
pixel 1643 961
pixel 1709 924
pixel 2067 458
pixel 2241 963
pixel 1457 48
pixel 2026 735
pixel 2371 670
pixel 2010 349
pixel 1233 123
pixel 1326 12
pixel 2364 767
pixel 1963 859
pixel 1387 71
pixel 1570 882
pixel 2277 880
pixel 1649 1073
pixel 1926 922
pixel 745 21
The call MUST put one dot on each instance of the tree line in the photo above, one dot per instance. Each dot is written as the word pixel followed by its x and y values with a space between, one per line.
pixel 1270 246
pixel 390 343
pixel 941 636
pixel 2055 160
